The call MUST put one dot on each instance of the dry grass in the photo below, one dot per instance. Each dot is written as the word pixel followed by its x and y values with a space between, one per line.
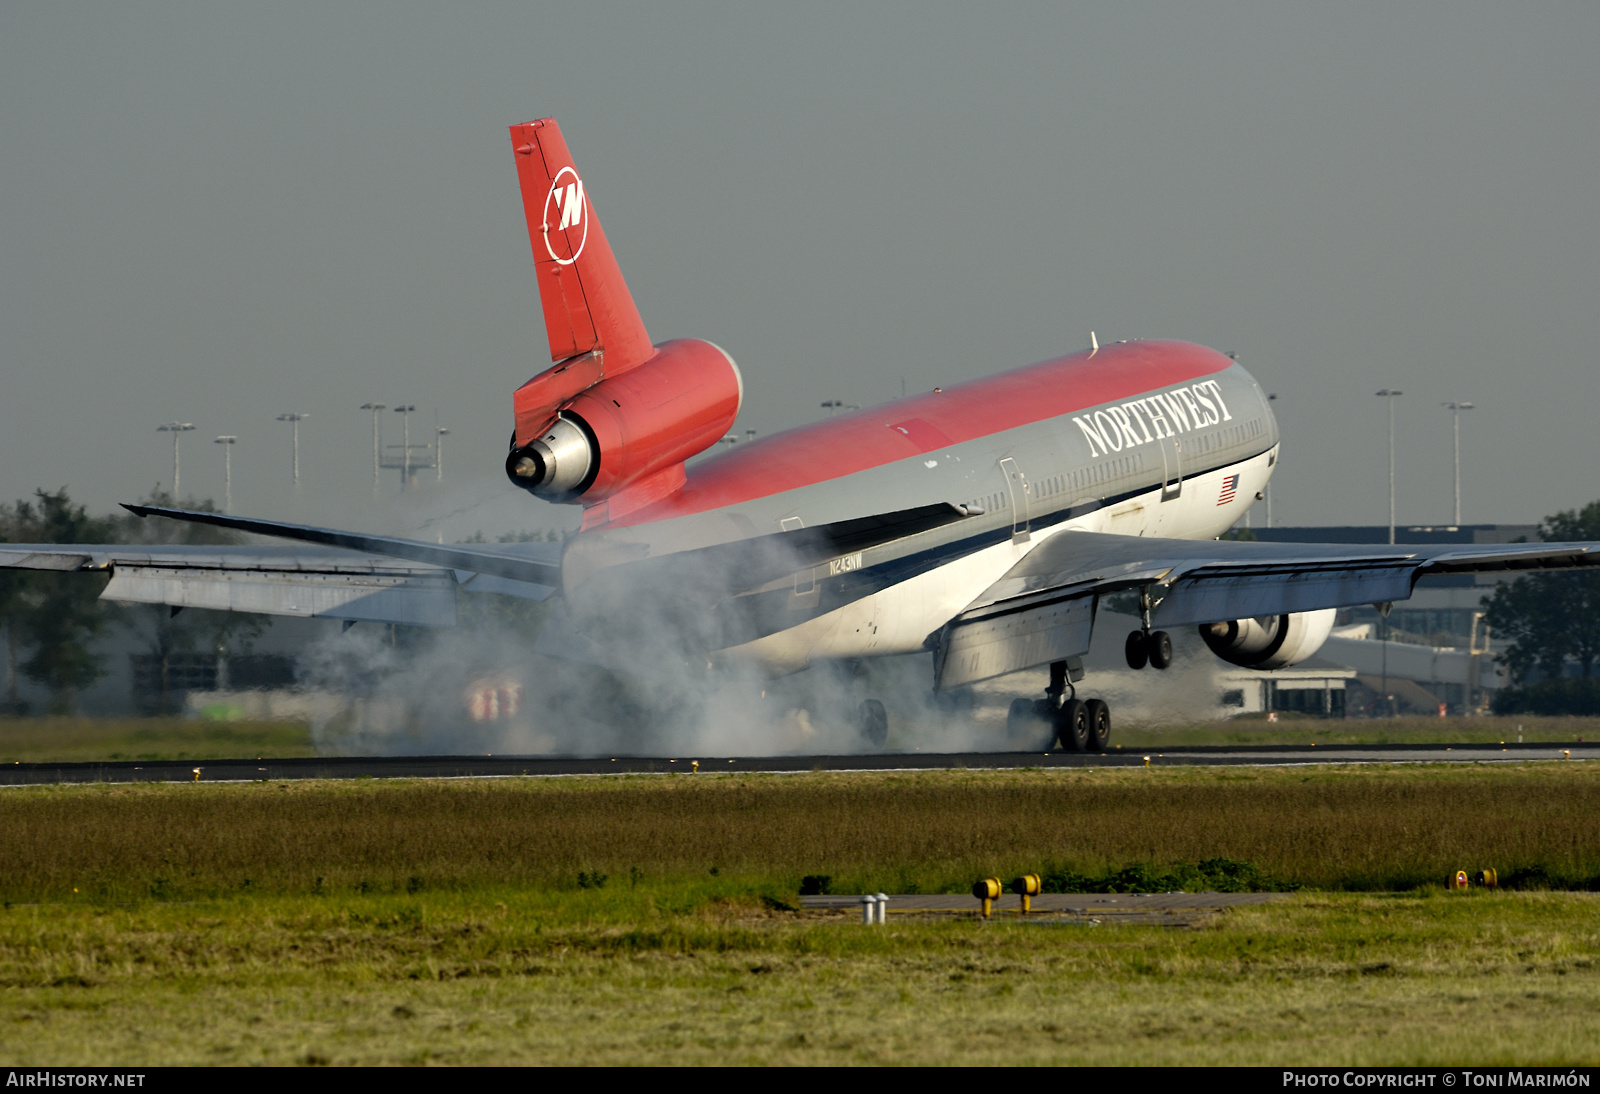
pixel 443 922
pixel 77 740
pixel 1358 828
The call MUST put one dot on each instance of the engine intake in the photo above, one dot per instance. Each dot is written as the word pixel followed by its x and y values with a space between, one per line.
pixel 560 464
pixel 628 427
pixel 1270 642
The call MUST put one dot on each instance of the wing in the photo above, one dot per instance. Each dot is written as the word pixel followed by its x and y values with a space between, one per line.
pixel 1042 609
pixel 525 562
pixel 359 577
pixel 354 577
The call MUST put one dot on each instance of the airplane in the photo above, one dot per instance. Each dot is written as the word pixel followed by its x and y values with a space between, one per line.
pixel 981 523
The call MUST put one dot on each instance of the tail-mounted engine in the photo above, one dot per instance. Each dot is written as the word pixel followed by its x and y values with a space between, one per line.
pixel 614 417
pixel 1271 642
pixel 627 428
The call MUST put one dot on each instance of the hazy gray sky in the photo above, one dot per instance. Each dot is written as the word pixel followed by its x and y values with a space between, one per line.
pixel 219 213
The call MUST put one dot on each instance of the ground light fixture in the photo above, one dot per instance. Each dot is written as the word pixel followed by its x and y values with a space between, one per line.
pixel 227 441
pixel 1390 394
pixel 295 418
pixel 177 429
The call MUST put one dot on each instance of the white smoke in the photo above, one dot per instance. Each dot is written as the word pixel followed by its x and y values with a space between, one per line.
pixel 484 689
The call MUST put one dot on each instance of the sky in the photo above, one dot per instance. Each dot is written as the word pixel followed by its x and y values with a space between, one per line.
pixel 221 213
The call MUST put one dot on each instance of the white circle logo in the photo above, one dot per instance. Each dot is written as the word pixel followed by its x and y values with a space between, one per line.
pixel 568 200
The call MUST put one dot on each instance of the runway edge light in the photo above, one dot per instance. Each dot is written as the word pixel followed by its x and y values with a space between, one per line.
pixel 988 890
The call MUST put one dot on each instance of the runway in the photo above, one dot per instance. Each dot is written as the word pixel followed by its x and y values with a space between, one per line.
pixel 1053 909
pixel 469 767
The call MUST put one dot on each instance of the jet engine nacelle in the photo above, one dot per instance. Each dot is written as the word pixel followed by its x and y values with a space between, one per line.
pixel 626 428
pixel 1270 642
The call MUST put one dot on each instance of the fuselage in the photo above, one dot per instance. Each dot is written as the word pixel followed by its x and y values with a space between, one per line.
pixel 1140 438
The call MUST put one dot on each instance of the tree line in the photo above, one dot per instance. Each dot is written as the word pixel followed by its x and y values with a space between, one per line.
pixel 52 620
pixel 1553 622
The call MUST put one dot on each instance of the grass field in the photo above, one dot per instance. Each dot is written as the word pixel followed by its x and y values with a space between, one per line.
pixel 1362 828
pixel 654 920
pixel 70 740
pixel 684 975
pixel 1293 729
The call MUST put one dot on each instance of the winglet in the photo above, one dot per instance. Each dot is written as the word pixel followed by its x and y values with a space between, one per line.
pixel 587 307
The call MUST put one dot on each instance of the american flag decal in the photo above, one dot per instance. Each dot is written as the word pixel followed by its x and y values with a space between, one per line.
pixel 1230 486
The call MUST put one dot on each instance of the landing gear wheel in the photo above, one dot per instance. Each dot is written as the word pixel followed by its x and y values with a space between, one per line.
pixel 1137 650
pixel 1098 717
pixel 1160 649
pixel 1072 725
pixel 873 722
pixel 1029 725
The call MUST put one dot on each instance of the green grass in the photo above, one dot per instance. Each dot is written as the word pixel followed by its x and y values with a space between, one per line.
pixel 1292 729
pixel 75 740
pixel 697 974
pixel 652 920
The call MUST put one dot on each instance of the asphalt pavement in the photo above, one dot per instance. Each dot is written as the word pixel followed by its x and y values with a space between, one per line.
pixel 471 767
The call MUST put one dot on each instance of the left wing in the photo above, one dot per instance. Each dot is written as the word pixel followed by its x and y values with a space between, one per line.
pixel 1042 609
pixel 356 576
pixel 353 577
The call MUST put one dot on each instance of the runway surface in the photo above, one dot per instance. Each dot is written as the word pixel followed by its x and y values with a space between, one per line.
pixel 464 767
pixel 1067 909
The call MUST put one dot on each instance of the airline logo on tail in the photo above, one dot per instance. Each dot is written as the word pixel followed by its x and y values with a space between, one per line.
pixel 565 202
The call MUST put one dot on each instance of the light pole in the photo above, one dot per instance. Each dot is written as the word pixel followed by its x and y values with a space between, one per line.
pixel 1389 395
pixel 227 443
pixel 1455 413
pixel 438 452
pixel 405 412
pixel 177 429
pixel 375 408
pixel 296 419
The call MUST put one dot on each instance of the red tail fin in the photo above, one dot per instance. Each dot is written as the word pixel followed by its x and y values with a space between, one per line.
pixel 587 306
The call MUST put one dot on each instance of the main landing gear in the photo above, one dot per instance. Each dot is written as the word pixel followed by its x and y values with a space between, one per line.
pixel 1145 646
pixel 1079 725
pixel 872 722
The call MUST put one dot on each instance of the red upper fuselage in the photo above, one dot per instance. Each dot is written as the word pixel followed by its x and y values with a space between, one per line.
pixel 909 427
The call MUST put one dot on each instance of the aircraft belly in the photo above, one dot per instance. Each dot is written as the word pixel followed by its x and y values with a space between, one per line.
pixel 894 620
pixel 898 619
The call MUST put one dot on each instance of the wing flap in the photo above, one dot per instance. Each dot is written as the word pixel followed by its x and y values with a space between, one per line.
pixel 419 599
pixel 34 557
pixel 1012 636
pixel 509 563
